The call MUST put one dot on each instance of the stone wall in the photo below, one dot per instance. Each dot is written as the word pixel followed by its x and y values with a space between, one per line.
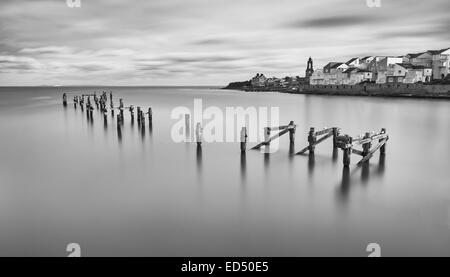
pixel 422 90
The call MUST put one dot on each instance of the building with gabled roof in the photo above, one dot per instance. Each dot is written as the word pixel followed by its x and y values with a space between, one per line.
pixel 353 62
pixel 440 63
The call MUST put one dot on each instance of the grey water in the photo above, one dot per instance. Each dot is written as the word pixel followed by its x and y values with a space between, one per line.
pixel 66 179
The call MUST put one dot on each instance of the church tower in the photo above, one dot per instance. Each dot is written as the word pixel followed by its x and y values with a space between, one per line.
pixel 309 69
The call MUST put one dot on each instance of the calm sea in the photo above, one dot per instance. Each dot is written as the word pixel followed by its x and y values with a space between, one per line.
pixel 64 179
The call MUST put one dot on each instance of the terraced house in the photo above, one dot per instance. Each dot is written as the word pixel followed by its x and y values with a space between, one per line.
pixel 412 68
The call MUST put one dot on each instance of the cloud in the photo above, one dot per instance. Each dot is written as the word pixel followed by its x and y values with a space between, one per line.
pixel 211 41
pixel 330 22
pixel 46 50
pixel 203 41
pixel 18 64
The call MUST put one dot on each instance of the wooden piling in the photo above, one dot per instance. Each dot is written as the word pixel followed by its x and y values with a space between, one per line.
pixel 139 115
pixel 267 136
pixel 292 129
pixel 64 99
pixel 335 135
pixel 142 119
pixel 150 115
pixel 367 146
pixel 243 139
pixel 347 150
pixel 383 148
pixel 121 110
pixel 312 139
pixel 199 134
pixel 119 125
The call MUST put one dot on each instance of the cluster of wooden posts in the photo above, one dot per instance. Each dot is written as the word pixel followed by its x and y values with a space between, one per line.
pixel 346 143
pixel 101 104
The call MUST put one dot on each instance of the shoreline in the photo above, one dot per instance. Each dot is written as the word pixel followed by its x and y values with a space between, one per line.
pixel 416 91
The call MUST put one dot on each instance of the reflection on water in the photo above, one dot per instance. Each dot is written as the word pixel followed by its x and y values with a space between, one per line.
pixel 243 167
pixel 150 128
pixel 133 200
pixel 345 183
pixel 365 172
pixel 381 164
pixel 366 178
pixel 335 155
pixel 199 155
pixel 311 163
pixel 143 132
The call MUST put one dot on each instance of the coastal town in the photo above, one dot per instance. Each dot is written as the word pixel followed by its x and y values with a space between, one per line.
pixel 425 68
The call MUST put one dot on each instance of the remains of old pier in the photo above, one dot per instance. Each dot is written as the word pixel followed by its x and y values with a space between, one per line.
pixel 346 143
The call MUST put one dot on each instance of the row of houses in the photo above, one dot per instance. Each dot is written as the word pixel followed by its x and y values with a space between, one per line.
pixel 411 68
pixel 273 82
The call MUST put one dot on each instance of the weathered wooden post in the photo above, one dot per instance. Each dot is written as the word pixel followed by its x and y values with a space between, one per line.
pixel 366 146
pixel 139 115
pixel 312 139
pixel 383 148
pixel 119 129
pixel 96 100
pixel 150 115
pixel 267 136
pixel 87 111
pixel 199 134
pixel 132 113
pixel 119 125
pixel 187 126
pixel 82 104
pixel 142 127
pixel 75 100
pixel 121 109
pixel 64 99
pixel 347 150
pixel 335 135
pixel 243 139
pixel 142 119
pixel 292 132
pixel 88 103
pixel 105 118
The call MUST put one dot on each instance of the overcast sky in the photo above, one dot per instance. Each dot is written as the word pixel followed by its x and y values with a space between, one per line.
pixel 203 42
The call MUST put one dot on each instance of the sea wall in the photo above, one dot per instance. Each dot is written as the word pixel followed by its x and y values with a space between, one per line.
pixel 387 90
pixel 383 90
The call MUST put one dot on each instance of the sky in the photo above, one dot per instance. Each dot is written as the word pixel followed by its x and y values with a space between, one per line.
pixel 203 42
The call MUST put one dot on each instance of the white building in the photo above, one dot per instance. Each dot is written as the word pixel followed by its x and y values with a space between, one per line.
pixel 386 67
pixel 419 59
pixel 354 62
pixel 317 78
pixel 414 73
pixel 365 62
pixel 440 63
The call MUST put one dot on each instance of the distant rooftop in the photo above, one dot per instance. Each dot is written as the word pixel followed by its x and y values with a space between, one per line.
pixel 351 60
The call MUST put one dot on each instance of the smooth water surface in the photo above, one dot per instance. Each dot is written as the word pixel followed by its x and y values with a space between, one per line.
pixel 66 179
